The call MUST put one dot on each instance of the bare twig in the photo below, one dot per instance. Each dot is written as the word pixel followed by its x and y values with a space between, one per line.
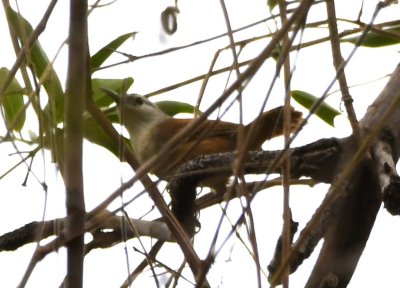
pixel 287 215
pixel 338 62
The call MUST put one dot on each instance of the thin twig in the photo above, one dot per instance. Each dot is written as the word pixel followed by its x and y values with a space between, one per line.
pixel 337 62
pixel 286 238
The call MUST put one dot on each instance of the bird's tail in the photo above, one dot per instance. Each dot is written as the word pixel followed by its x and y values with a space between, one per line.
pixel 269 125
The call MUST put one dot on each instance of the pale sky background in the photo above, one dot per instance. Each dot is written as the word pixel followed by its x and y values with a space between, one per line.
pixel 198 20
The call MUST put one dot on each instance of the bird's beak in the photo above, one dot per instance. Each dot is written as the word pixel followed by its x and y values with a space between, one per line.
pixel 112 94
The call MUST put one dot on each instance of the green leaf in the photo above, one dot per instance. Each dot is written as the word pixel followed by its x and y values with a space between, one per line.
pixel 101 56
pixel 43 67
pixel 112 115
pixel 376 39
pixel 95 134
pixel 13 103
pixel 91 130
pixel 120 86
pixel 325 112
pixel 172 108
pixel 54 142
pixel 272 4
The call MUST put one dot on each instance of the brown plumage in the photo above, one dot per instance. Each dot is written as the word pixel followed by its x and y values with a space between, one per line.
pixel 150 128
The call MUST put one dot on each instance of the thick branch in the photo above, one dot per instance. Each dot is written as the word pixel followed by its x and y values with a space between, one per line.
pixel 356 201
pixel 73 141
pixel 317 160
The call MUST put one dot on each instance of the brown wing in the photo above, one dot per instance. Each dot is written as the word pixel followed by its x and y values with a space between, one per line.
pixel 207 129
pixel 212 137
pixel 267 126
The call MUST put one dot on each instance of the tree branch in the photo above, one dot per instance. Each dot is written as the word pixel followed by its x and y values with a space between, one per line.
pixel 36 231
pixel 73 141
pixel 317 160
pixel 356 202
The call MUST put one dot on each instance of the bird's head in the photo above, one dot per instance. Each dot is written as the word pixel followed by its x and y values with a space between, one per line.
pixel 136 112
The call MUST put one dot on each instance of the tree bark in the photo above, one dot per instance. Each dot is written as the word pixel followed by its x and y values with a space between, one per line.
pixel 73 141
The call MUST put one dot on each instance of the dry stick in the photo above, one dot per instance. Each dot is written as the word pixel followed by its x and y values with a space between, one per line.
pixel 139 269
pixel 133 228
pixel 132 58
pixel 231 40
pixel 237 165
pixel 237 170
pixel 286 242
pixel 205 77
pixel 243 63
pixel 337 62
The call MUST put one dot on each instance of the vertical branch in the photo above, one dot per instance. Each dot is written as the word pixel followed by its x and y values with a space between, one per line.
pixel 73 140
pixel 286 162
pixel 338 63
pixel 242 149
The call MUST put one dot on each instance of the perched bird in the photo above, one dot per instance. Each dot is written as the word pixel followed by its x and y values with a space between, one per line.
pixel 150 128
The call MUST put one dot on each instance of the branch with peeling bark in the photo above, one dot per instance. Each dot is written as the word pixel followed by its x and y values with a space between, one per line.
pixel 316 160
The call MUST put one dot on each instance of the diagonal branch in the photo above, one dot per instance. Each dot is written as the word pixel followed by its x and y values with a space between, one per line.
pixel 348 212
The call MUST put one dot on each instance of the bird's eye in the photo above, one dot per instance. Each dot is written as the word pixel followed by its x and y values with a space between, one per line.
pixel 139 101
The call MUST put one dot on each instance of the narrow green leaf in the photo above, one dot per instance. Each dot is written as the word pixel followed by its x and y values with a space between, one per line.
pixel 54 142
pixel 325 112
pixel 13 103
pixel 120 86
pixel 101 56
pixel 43 67
pixel 272 4
pixel 376 39
pixel 91 130
pixel 95 134
pixel 172 108
pixel 112 115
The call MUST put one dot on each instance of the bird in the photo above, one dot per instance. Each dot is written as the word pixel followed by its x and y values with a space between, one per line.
pixel 150 128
